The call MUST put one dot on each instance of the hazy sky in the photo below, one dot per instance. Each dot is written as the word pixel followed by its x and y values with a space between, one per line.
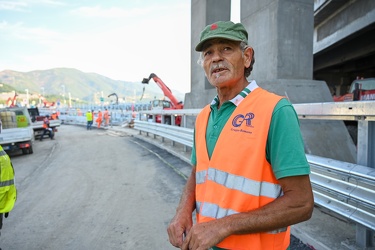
pixel 121 39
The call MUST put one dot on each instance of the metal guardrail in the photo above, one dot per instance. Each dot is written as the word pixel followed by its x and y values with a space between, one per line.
pixel 344 188
pixel 181 135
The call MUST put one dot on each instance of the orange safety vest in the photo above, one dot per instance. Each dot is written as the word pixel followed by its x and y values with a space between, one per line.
pixel 106 115
pixel 238 177
pixel 45 123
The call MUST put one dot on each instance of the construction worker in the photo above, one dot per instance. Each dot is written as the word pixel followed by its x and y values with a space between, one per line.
pixel 47 129
pixel 89 118
pixel 100 118
pixel 106 117
pixel 8 192
pixel 54 116
pixel 250 176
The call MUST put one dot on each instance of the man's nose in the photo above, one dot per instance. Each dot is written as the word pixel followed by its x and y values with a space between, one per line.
pixel 216 56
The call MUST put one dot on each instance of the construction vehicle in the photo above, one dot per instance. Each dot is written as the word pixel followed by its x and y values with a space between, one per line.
pixel 172 103
pixel 37 122
pixel 16 131
pixel 360 90
pixel 47 104
pixel 12 101
pixel 115 95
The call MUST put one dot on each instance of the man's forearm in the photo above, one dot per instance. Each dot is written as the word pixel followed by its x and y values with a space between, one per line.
pixel 295 206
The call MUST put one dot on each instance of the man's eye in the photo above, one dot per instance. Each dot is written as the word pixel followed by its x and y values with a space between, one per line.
pixel 227 48
pixel 207 53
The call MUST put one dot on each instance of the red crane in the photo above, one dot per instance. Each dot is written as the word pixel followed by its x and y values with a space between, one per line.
pixel 172 104
pixel 12 102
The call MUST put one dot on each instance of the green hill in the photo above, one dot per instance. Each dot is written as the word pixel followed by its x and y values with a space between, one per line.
pixel 83 86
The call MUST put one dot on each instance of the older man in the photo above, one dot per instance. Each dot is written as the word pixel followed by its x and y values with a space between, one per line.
pixel 250 177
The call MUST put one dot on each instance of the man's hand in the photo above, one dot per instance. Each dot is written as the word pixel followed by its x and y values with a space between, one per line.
pixel 179 226
pixel 183 221
pixel 203 236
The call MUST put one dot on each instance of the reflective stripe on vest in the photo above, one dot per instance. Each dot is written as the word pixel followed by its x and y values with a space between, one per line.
pixel 2 152
pixel 6 183
pixel 240 183
pixel 214 211
pixel 238 178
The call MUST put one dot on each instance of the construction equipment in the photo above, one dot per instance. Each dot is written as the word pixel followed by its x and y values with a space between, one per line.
pixel 115 95
pixel 360 90
pixel 12 102
pixel 16 131
pixel 47 104
pixel 172 103
pixel 37 122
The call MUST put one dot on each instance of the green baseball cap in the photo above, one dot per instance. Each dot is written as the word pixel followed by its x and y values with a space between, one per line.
pixel 223 29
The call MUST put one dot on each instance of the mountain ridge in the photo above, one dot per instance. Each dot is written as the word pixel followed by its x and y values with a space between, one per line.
pixel 81 85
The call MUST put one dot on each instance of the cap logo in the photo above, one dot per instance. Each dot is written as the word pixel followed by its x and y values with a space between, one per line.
pixel 214 26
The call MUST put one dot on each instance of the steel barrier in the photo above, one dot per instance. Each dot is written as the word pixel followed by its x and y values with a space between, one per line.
pixel 181 135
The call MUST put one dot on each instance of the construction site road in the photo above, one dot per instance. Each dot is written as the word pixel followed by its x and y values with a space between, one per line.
pixel 96 189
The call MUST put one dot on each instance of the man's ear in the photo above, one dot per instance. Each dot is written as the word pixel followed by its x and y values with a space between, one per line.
pixel 248 56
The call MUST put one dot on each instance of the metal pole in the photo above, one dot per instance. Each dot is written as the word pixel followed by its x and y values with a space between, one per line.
pixel 365 157
pixel 27 97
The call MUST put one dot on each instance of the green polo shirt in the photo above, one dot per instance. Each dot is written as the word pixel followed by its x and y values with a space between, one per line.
pixel 284 148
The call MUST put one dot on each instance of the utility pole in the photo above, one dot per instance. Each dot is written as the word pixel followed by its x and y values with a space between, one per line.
pixel 27 97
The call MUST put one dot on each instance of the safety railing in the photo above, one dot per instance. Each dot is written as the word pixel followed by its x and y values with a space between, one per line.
pixel 344 188
pixel 78 117
pixel 181 135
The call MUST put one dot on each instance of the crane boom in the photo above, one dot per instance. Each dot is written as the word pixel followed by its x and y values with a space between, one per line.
pixel 167 92
pixel 114 94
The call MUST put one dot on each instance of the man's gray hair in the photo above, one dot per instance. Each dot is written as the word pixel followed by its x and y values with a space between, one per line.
pixel 243 47
pixel 248 70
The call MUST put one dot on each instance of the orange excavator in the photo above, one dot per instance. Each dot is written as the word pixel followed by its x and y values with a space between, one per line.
pixel 12 102
pixel 172 103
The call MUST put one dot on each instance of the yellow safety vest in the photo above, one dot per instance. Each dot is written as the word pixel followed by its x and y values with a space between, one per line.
pixel 89 116
pixel 8 192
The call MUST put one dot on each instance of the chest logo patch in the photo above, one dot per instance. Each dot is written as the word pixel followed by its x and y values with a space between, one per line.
pixel 239 119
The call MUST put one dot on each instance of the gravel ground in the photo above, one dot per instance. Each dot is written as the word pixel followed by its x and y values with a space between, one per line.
pixel 296 244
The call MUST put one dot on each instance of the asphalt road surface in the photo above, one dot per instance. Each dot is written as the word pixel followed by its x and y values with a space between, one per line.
pixel 98 189
pixel 95 189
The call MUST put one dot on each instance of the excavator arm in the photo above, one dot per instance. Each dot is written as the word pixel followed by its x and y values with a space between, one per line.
pixel 167 92
pixel 114 94
pixel 12 102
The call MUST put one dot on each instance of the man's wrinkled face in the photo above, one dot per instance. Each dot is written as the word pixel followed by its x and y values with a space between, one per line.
pixel 223 62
